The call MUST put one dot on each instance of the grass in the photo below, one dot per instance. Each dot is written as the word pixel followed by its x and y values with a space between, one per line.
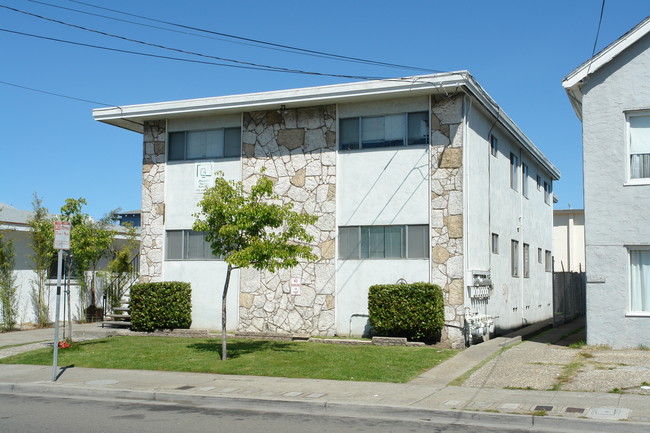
pixel 21 344
pixel 568 373
pixel 246 357
pixel 577 345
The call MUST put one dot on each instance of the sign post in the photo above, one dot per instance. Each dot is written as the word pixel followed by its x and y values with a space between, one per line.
pixel 61 242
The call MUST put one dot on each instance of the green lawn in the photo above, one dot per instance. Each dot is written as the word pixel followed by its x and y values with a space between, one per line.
pixel 252 357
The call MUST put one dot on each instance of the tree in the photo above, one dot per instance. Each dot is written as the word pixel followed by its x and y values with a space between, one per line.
pixel 8 299
pixel 41 233
pixel 251 230
pixel 90 240
pixel 120 270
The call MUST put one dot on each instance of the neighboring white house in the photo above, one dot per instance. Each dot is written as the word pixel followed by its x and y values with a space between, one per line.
pixel 569 240
pixel 414 179
pixel 14 226
pixel 611 96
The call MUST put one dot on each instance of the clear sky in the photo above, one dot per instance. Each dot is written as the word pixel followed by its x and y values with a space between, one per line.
pixel 519 51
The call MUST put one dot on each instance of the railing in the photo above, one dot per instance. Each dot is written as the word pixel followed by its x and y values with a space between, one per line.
pixel 116 289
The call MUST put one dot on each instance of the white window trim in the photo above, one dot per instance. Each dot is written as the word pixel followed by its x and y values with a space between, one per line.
pixel 630 312
pixel 628 180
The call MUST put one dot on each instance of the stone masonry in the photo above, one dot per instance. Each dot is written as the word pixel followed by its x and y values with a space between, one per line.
pixel 297 148
pixel 447 211
pixel 152 230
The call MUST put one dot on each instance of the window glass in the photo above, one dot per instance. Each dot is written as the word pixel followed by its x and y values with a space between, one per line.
pixel 524 180
pixel 214 144
pixel 372 131
pixel 232 142
pixel 195 145
pixel 526 261
pixel 418 128
pixel 640 280
pixel 195 246
pixel 349 133
pixel 495 243
pixel 514 258
pixel 547 193
pixel 348 243
pixel 418 241
pixel 394 241
pixel 548 265
pixel 639 147
pixel 394 130
pixel 494 145
pixel 174 245
pixel 513 171
pixel 176 146
pixel 375 242
pixel 539 255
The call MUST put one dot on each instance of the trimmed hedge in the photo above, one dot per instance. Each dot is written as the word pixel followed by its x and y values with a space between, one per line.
pixel 164 305
pixel 415 311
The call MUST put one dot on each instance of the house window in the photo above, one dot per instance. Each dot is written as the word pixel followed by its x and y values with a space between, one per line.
pixel 526 261
pixel 494 145
pixel 524 179
pixel 514 257
pixel 639 146
pixel 540 256
pixel 495 243
pixel 548 261
pixel 640 280
pixel 188 245
pixel 384 242
pixel 539 183
pixel 384 131
pixel 547 192
pixel 215 143
pixel 514 161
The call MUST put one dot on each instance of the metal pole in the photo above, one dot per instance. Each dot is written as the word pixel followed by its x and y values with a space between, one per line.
pixel 59 267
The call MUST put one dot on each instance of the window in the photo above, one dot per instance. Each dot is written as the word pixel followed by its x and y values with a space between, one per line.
pixel 384 242
pixel 539 183
pixel 526 261
pixel 495 243
pixel 384 131
pixel 639 146
pixel 514 257
pixel 540 256
pixel 640 280
pixel 188 245
pixel 494 145
pixel 548 261
pixel 215 143
pixel 524 179
pixel 547 193
pixel 514 161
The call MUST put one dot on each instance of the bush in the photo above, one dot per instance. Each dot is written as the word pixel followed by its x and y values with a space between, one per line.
pixel 165 305
pixel 414 311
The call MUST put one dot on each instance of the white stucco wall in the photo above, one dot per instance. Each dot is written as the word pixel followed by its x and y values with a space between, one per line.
pixel 616 213
pixel 494 207
pixel 569 240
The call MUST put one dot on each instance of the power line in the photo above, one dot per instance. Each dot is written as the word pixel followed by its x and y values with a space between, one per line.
pixel 180 59
pixel 593 51
pixel 56 94
pixel 261 42
pixel 256 65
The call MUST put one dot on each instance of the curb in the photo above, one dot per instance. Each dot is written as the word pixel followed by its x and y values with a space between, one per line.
pixel 393 413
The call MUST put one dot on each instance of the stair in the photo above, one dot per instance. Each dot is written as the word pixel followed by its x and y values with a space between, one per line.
pixel 119 317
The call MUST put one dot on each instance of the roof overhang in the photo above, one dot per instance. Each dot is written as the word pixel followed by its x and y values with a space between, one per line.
pixel 573 82
pixel 132 117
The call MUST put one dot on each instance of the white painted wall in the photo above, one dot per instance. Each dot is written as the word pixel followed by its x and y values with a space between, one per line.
pixel 569 240
pixel 494 207
pixel 207 277
pixel 616 213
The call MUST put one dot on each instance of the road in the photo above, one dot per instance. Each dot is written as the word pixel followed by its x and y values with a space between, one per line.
pixel 38 414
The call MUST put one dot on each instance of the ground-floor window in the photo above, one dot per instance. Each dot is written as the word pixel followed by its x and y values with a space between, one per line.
pixel 187 245
pixel 384 242
pixel 640 280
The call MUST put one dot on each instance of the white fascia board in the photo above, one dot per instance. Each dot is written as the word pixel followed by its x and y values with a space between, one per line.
pixel 8 226
pixel 574 81
pixel 291 98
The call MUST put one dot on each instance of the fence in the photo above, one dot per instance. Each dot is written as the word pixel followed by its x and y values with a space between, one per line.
pixel 569 296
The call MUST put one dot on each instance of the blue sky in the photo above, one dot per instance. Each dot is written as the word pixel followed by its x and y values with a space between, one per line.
pixel 519 51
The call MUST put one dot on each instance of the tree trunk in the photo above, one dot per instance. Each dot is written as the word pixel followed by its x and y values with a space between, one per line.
pixel 224 349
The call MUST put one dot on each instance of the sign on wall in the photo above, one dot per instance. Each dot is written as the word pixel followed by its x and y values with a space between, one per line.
pixel 203 176
pixel 295 286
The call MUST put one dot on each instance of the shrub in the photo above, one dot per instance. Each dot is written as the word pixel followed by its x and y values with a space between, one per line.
pixel 414 311
pixel 164 305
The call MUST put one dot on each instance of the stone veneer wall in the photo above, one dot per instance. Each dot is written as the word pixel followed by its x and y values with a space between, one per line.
pixel 447 211
pixel 152 230
pixel 298 149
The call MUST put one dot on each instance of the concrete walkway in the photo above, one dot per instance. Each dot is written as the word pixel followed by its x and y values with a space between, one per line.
pixel 428 395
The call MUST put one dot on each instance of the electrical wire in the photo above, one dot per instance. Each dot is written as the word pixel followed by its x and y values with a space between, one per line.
pixel 593 51
pixel 261 42
pixel 56 94
pixel 240 62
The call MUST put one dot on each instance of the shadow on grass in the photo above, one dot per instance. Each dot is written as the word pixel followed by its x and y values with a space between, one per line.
pixel 241 348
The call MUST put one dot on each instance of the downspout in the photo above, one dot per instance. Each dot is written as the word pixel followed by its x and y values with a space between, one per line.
pixel 429 174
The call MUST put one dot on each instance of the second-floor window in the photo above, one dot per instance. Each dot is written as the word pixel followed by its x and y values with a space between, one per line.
pixel 639 136
pixel 209 144
pixel 384 131
pixel 514 162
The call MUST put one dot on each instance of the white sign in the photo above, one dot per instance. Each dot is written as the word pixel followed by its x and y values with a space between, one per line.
pixel 295 285
pixel 61 235
pixel 203 176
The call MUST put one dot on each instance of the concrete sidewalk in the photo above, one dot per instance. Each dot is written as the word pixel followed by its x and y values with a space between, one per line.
pixel 426 396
